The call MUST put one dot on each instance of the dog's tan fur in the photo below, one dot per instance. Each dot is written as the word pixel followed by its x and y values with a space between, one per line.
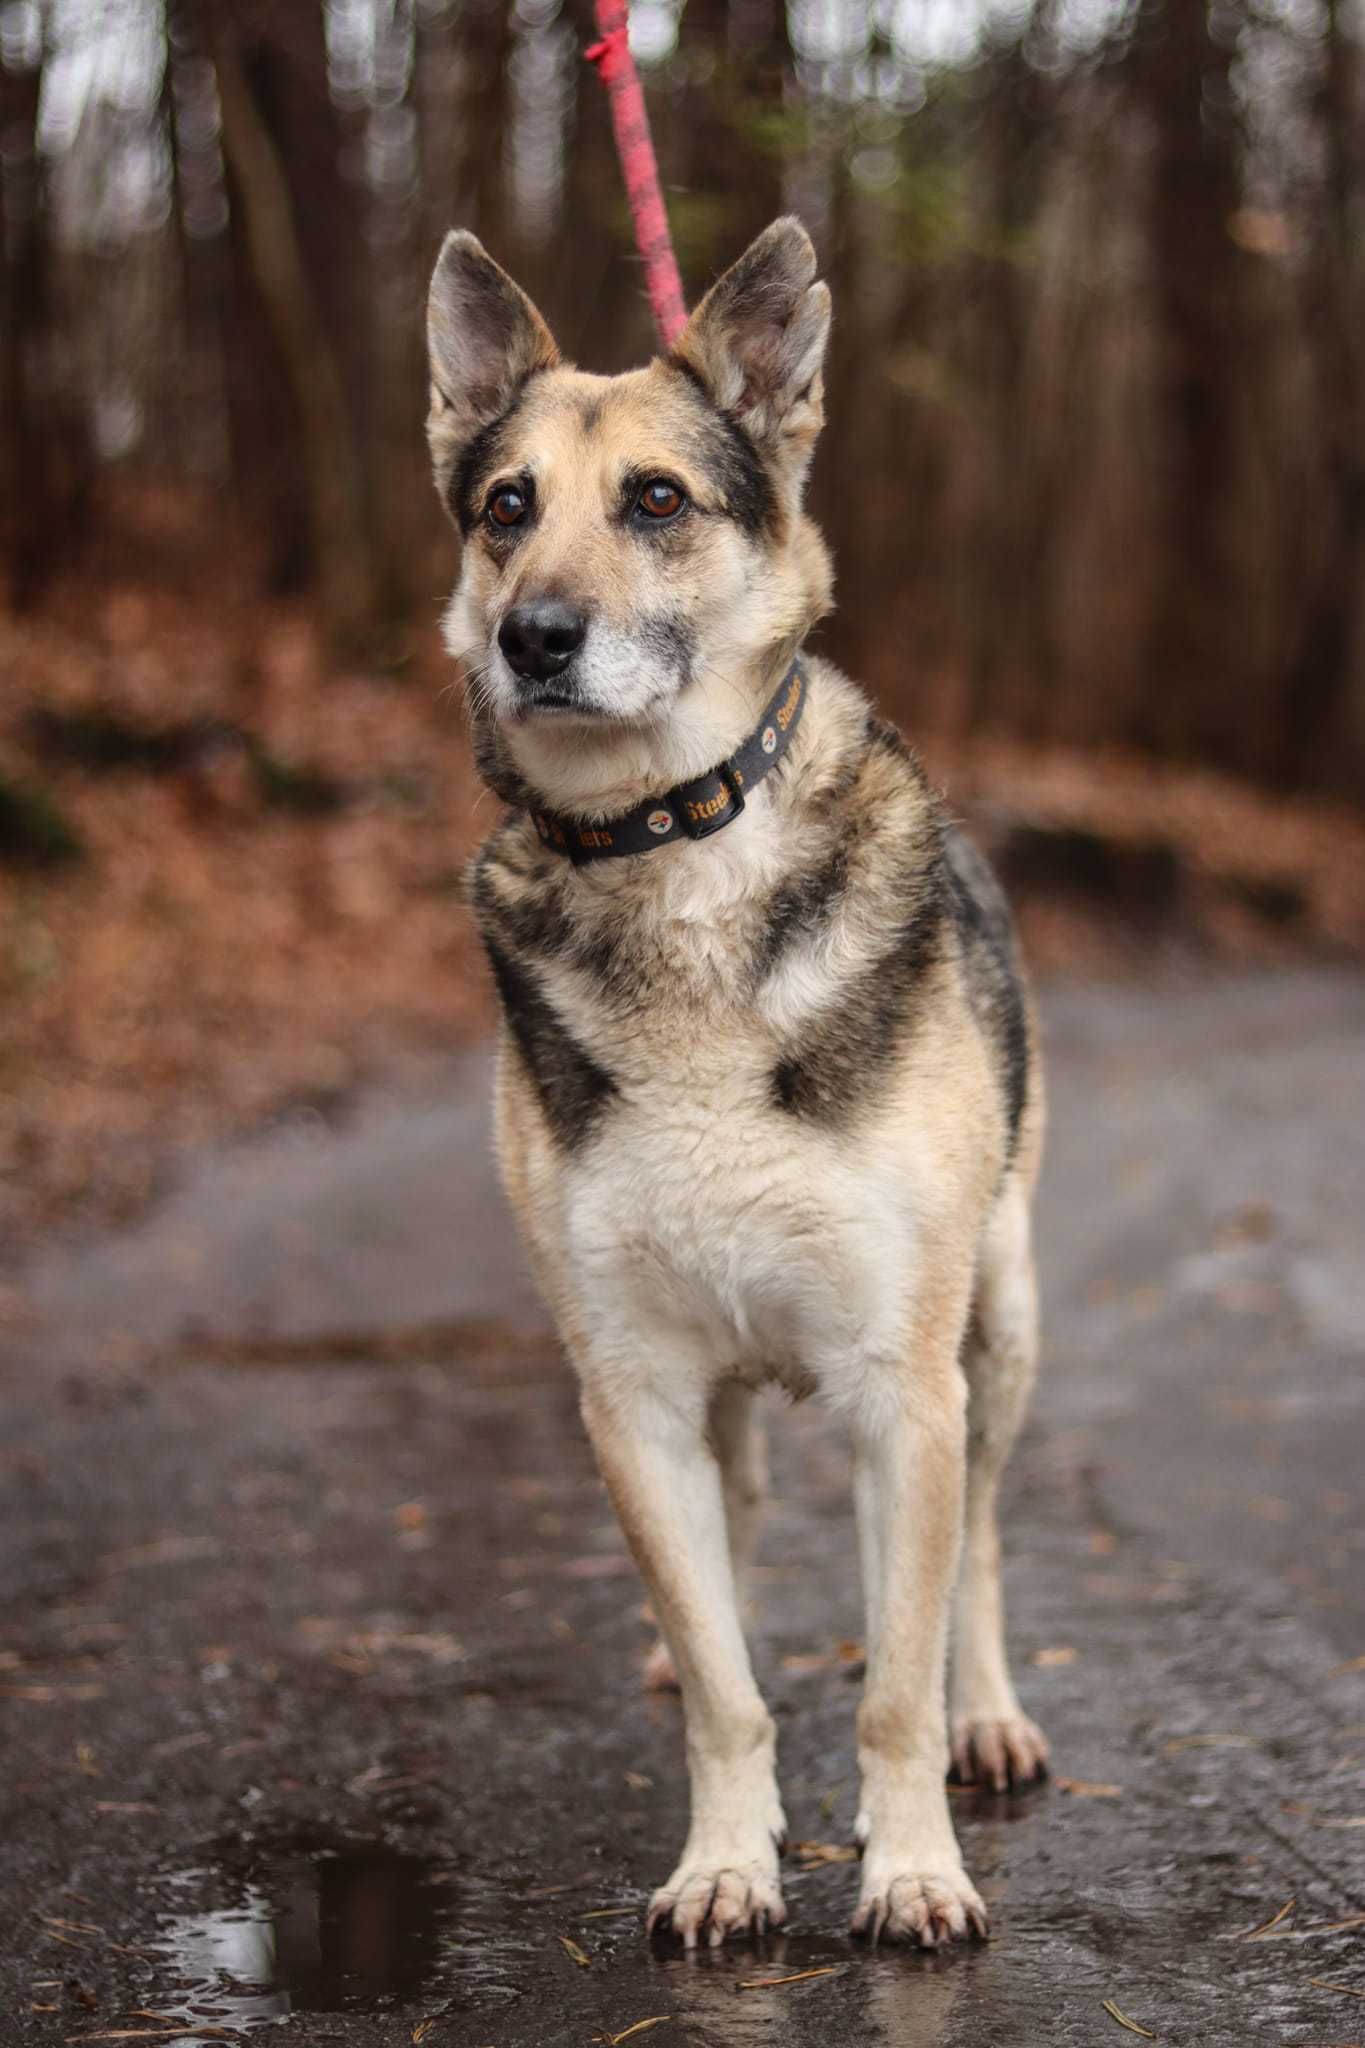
pixel 769 1106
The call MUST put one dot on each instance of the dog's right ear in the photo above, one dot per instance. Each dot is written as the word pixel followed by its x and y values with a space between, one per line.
pixel 484 339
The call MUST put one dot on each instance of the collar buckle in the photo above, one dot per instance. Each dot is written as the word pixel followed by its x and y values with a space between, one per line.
pixel 692 812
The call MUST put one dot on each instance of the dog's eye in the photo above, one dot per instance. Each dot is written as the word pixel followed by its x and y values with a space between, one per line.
pixel 507 507
pixel 660 499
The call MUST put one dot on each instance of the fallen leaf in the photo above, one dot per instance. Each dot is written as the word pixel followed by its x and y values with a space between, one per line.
pixel 1214 1741
pixel 610 1912
pixel 1256 1933
pixel 1320 1820
pixel 1355 1664
pixel 813 1853
pixel 1124 2021
pixel 41 1695
pixel 575 1953
pixel 1083 1788
pixel 637 1781
pixel 177 1743
pixel 169 1550
pixel 612 2040
pixel 124 1806
pixel 422 2029
pixel 775 1983
pixel 1346 1990
pixel 1046 1659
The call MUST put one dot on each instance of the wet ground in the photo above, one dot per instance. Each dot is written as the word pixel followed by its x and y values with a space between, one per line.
pixel 317 1665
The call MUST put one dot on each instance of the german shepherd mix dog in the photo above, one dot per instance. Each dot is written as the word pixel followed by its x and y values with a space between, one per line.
pixel 769 1105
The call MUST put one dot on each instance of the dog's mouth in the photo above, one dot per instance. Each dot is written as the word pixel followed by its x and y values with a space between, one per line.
pixel 556 704
pixel 555 699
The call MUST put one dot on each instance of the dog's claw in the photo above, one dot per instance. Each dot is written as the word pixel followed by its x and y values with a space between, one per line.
pixel 717 1904
pixel 929 1910
pixel 1004 1755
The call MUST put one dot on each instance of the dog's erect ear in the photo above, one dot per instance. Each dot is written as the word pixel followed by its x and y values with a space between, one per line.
pixel 484 339
pixel 757 341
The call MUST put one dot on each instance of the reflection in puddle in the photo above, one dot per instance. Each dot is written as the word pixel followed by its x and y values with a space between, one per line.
pixel 893 1997
pixel 359 1929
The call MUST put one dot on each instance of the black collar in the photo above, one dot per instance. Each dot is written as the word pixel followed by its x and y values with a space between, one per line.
pixel 694 810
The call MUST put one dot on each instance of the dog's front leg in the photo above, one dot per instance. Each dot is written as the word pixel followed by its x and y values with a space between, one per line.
pixel 909 1450
pixel 666 1487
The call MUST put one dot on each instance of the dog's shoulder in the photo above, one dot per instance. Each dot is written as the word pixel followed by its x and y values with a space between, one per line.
pixel 915 926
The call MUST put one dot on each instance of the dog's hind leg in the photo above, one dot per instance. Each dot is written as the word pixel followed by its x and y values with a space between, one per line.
pixel 741 1450
pixel 993 1741
pixel 665 1483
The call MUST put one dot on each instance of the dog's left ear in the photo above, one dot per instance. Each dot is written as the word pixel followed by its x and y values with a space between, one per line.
pixel 757 342
pixel 484 339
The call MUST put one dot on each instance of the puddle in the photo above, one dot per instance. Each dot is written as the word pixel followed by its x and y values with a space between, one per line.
pixel 359 1929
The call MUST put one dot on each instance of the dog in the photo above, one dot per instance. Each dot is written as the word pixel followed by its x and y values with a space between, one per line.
pixel 769 1105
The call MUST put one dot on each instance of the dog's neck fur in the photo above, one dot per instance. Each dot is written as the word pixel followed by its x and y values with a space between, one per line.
pixel 844 820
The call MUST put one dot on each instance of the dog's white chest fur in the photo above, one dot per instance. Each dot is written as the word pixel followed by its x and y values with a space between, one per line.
pixel 707 1226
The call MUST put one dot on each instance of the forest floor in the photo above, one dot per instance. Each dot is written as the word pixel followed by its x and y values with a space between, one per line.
pixel 319 1653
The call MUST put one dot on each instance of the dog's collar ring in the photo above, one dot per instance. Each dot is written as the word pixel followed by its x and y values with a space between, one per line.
pixel 693 810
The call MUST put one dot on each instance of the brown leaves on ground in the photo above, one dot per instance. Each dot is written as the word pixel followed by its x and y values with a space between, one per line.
pixel 221 952
pixel 1234 870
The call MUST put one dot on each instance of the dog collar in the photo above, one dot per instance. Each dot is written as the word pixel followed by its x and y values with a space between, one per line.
pixel 692 810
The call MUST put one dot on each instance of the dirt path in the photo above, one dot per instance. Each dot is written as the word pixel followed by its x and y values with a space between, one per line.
pixel 316 1666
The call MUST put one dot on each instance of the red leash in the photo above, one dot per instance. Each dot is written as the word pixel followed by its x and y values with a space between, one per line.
pixel 616 69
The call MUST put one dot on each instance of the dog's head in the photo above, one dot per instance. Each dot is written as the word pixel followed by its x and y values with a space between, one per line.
pixel 634 546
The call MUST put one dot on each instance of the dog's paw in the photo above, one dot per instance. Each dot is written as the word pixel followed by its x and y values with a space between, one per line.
pixel 928 1907
pixel 1004 1754
pixel 659 1673
pixel 699 1901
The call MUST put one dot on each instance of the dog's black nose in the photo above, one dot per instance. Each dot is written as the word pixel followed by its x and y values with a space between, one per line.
pixel 541 639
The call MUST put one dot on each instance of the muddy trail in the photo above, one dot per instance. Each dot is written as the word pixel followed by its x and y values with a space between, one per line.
pixel 319 1656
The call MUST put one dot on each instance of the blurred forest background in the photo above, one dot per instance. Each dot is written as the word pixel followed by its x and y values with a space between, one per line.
pixel 1094 475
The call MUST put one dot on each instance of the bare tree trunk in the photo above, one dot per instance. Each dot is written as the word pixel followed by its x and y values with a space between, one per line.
pixel 44 460
pixel 1194 660
pixel 1004 563
pixel 1328 662
pixel 344 568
